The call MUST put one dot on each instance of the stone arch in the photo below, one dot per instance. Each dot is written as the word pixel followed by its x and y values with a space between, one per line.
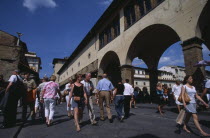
pixel 149 45
pixel 110 64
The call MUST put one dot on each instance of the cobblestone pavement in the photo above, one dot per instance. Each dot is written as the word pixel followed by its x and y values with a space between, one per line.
pixel 143 122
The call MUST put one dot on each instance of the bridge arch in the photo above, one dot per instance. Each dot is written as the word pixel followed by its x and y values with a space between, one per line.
pixel 149 45
pixel 110 64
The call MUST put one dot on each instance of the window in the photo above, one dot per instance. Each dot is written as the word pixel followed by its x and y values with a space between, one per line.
pixel 78 64
pixel 141 7
pixel 72 69
pixel 101 39
pixel 144 83
pixel 116 26
pixel 130 16
pixel 148 5
pixel 110 32
pixel 136 83
pixel 89 55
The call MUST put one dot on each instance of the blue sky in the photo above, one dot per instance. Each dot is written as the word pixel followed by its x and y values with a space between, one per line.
pixel 54 28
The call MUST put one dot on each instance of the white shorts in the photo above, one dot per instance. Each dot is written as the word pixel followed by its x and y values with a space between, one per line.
pixel 177 102
pixel 36 103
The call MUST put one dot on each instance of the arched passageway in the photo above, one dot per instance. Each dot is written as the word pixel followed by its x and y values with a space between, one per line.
pixel 110 64
pixel 149 45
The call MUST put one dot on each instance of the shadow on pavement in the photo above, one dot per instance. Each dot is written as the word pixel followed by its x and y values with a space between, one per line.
pixel 205 123
pixel 145 136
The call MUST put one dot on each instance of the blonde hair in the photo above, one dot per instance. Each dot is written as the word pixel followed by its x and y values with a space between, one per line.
pixel 159 84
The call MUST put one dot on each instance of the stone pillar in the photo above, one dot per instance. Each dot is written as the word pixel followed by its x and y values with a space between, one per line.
pixel 127 72
pixel 153 79
pixel 192 51
pixel 137 11
pixel 122 21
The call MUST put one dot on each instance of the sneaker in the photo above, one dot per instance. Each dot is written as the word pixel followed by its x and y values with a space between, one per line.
pixel 94 122
pixel 102 119
pixel 110 120
pixel 121 119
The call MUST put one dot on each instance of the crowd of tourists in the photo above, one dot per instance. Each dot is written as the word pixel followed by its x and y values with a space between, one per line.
pixel 80 93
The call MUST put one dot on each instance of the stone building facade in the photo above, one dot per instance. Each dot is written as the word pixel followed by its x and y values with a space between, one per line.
pixel 34 61
pixel 143 29
pixel 12 57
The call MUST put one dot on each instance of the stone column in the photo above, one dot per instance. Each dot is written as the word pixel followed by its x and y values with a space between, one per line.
pixel 127 72
pixel 122 21
pixel 153 79
pixel 192 51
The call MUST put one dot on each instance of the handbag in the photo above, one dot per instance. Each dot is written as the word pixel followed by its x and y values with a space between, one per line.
pixel 186 97
pixel 77 98
pixel 66 93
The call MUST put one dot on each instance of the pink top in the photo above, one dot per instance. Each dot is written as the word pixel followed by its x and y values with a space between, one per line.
pixel 50 90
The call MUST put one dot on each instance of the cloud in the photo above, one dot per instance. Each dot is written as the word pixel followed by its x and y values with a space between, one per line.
pixel 106 2
pixel 172 60
pixel 32 5
pixel 164 60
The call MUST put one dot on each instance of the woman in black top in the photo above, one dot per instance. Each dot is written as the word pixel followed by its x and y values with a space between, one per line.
pixel 119 100
pixel 79 99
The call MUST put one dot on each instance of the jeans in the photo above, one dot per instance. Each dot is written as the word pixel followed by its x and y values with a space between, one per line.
pixel 49 108
pixel 90 109
pixel 119 103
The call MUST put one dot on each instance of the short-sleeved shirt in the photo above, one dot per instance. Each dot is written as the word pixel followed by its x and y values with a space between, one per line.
pixel 50 90
pixel 191 93
pixel 67 87
pixel 207 85
pixel 128 89
pixel 41 87
pixel 176 89
pixel 105 85
pixel 30 84
pixel 87 86
pixel 120 89
pixel 13 78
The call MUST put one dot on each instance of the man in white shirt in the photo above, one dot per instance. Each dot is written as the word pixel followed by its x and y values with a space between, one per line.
pixel 38 104
pixel 14 90
pixel 66 93
pixel 88 87
pixel 176 90
pixel 128 94
pixel 206 91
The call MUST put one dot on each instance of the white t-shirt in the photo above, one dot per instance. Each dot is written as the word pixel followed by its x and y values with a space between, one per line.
pixel 207 84
pixel 67 87
pixel 87 86
pixel 176 89
pixel 128 89
pixel 13 78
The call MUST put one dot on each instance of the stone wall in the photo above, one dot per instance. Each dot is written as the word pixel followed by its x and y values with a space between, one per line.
pixel 9 59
